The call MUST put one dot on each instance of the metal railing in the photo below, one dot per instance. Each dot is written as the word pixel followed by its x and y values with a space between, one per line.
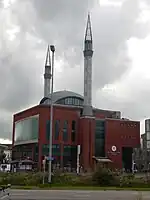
pixel 5 192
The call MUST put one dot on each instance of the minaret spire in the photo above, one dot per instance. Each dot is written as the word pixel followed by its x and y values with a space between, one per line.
pixel 47 74
pixel 48 58
pixel 88 33
pixel 88 53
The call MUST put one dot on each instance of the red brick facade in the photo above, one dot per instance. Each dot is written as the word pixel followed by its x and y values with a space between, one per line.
pixel 120 133
pixel 117 132
pixel 87 127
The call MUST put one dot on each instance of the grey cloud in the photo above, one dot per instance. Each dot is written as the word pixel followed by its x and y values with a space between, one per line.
pixel 111 39
pixel 5 124
pixel 63 23
pixel 135 105
pixel 112 27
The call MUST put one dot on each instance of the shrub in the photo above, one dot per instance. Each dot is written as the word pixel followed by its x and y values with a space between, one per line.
pixel 103 177
pixel 126 181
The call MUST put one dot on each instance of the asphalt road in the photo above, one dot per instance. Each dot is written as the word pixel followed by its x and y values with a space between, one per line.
pixel 76 195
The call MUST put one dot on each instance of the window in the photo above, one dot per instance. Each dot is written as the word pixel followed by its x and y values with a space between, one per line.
pixel 55 150
pixel 73 132
pixel 36 152
pixel 27 129
pixel 71 101
pixel 99 148
pixel 67 150
pixel 57 128
pixel 47 129
pixel 100 138
pixel 129 125
pixel 66 101
pixel 65 131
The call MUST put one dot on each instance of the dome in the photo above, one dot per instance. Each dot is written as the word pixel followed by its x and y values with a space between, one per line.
pixel 64 98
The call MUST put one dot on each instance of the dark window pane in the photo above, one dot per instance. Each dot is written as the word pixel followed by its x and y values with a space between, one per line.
pixel 73 101
pixel 47 129
pixel 57 128
pixel 36 153
pixel 73 133
pixel 100 138
pixel 55 150
pixel 67 150
pixel 73 125
pixel 65 131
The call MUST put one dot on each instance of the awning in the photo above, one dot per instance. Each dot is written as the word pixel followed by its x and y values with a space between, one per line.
pixel 102 159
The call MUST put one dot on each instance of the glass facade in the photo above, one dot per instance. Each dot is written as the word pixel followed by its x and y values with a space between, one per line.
pixel 100 138
pixel 27 129
pixel 74 101
pixel 57 129
pixel 73 131
pixel 67 150
pixel 56 151
pixel 65 131
pixel 69 156
pixel 22 152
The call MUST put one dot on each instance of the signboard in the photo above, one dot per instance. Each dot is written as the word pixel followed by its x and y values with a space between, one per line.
pixel 49 159
pixel 113 148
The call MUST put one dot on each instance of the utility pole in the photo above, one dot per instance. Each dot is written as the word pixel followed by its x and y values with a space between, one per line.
pixel 52 48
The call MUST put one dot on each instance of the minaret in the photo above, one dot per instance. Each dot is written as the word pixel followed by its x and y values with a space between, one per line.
pixel 88 53
pixel 47 74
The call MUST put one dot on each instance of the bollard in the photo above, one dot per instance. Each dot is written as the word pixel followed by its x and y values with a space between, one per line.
pixel 5 192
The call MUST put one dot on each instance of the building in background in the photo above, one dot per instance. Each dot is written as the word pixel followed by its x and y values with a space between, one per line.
pixel 5 157
pixel 101 133
pixel 142 154
pixel 7 150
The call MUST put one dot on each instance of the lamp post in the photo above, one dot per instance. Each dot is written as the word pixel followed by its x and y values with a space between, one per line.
pixel 52 48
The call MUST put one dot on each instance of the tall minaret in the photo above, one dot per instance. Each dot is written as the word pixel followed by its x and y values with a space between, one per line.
pixel 47 74
pixel 88 53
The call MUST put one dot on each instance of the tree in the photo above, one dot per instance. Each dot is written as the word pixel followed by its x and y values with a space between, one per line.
pixel 2 157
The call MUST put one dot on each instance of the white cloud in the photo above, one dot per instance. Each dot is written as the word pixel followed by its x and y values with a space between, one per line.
pixel 117 3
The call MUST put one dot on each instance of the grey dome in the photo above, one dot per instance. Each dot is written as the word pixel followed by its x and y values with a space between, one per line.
pixel 61 95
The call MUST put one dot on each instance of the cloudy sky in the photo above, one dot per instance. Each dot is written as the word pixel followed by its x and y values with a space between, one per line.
pixel 121 61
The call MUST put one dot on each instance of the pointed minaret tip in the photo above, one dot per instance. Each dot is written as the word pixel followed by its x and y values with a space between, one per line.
pixel 48 58
pixel 88 33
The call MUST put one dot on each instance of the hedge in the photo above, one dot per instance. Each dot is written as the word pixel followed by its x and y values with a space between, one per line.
pixel 101 177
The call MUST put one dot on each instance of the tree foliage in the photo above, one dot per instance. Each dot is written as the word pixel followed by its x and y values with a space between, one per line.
pixel 2 157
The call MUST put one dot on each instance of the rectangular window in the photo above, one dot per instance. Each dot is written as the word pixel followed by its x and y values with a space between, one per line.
pixel 73 131
pixel 56 151
pixel 36 153
pixel 27 129
pixel 47 129
pixel 67 150
pixel 57 129
pixel 100 138
pixel 65 131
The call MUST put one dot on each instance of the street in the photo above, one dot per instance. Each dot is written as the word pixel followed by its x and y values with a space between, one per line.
pixel 76 195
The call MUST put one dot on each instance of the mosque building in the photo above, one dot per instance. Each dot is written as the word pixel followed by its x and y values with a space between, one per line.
pixel 99 133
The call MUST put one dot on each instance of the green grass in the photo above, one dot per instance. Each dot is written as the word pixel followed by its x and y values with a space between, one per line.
pixel 78 188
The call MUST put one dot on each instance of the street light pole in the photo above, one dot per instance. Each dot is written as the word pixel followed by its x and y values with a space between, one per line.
pixel 51 118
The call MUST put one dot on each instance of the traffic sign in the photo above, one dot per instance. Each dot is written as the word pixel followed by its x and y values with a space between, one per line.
pixel 50 159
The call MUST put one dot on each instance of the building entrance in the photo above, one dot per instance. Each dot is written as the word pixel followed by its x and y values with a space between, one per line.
pixel 127 158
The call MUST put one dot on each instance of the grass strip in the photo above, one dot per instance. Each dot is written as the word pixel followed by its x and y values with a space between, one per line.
pixel 53 187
